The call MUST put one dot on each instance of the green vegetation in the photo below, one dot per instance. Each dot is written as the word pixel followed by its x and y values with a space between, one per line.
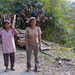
pixel 60 25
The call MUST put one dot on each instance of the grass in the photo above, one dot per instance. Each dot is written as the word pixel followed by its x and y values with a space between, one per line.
pixel 62 52
pixel 46 57
pixel 74 57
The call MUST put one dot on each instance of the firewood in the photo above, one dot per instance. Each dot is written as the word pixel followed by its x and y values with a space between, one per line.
pixel 23 13
pixel 21 36
pixel 25 5
pixel 22 20
pixel 26 13
pixel 47 43
pixel 22 39
pixel 33 9
pixel 21 31
pixel 13 24
pixel 21 42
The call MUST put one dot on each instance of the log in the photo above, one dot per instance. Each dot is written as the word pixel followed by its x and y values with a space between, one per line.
pixel 13 23
pixel 21 31
pixel 46 53
pixel 21 42
pixel 45 48
pixel 5 17
pixel 47 43
pixel 22 39
pixel 25 5
pixel 19 36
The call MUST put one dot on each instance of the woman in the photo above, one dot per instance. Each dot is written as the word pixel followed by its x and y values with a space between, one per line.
pixel 8 45
pixel 33 42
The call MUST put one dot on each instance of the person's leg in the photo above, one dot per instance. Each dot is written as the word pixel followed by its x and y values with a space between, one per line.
pixel 12 60
pixel 29 52
pixel 36 54
pixel 6 61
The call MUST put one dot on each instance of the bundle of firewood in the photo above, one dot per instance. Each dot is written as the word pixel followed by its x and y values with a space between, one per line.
pixel 32 12
pixel 20 38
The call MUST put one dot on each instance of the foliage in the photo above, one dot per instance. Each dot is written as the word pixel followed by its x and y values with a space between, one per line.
pixel 16 6
pixel 60 25
pixel 59 15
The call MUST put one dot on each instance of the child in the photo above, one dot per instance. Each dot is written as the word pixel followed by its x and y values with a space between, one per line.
pixel 33 42
pixel 8 45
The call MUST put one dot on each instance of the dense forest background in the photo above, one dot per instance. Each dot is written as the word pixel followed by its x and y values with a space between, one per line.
pixel 59 27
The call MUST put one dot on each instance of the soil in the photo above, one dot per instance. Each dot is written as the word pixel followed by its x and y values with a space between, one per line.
pixel 47 65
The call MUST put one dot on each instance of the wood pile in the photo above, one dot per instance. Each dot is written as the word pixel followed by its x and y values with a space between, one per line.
pixel 20 40
pixel 26 13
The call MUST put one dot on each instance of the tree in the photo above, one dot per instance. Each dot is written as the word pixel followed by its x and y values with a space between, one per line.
pixel 59 27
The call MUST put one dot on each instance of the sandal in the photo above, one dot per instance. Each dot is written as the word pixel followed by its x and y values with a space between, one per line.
pixel 12 69
pixel 37 70
pixel 6 70
pixel 28 70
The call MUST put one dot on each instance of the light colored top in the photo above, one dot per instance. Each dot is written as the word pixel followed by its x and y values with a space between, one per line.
pixel 8 44
pixel 33 35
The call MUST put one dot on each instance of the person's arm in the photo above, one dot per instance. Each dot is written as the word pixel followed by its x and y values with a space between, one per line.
pixel 26 41
pixel 39 38
pixel 16 33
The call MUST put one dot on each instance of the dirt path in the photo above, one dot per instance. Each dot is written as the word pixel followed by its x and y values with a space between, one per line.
pixel 48 66
pixel 20 67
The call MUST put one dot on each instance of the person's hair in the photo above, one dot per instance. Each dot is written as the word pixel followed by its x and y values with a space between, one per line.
pixel 31 21
pixel 33 14
pixel 5 23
